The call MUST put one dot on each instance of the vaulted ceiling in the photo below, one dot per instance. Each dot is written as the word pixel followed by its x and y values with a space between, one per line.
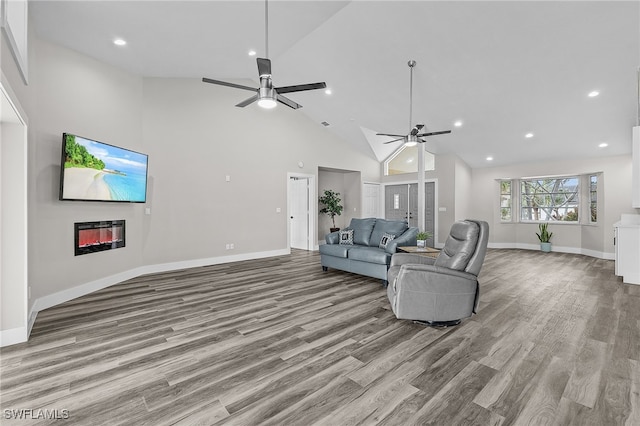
pixel 504 69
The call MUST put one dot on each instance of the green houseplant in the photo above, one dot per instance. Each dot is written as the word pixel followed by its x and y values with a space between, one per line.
pixel 421 238
pixel 332 206
pixel 545 237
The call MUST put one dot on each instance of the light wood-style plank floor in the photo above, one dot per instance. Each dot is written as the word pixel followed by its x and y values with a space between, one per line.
pixel 279 342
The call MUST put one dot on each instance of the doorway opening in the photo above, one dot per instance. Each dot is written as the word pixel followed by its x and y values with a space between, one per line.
pixel 14 291
pixel 300 204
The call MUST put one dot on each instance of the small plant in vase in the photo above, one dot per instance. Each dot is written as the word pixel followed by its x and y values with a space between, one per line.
pixel 332 206
pixel 421 239
pixel 545 237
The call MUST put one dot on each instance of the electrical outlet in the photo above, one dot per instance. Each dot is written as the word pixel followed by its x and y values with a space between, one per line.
pixel 231 246
pixel 227 247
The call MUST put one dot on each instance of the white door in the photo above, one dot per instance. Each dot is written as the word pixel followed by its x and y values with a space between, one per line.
pixel 371 200
pixel 299 212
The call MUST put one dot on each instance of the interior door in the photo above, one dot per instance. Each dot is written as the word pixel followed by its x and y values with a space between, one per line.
pixel 371 200
pixel 299 219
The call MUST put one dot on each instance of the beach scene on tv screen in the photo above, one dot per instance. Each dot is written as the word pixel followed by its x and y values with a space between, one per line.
pixel 97 171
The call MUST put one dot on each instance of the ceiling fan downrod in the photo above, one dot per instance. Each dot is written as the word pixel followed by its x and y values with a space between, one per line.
pixel 412 140
pixel 266 29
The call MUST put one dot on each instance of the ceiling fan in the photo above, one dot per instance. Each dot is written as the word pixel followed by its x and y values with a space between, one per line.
pixel 267 95
pixel 414 137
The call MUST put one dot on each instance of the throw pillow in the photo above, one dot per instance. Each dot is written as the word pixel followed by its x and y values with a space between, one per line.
pixel 346 237
pixel 385 240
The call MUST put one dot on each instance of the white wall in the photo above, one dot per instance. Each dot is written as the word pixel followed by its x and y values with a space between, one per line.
pixel 463 205
pixel 614 200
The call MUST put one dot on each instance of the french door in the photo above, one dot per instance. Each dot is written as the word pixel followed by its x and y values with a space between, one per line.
pixel 401 203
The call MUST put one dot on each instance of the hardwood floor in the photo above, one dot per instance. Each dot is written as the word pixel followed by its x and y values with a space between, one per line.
pixel 279 342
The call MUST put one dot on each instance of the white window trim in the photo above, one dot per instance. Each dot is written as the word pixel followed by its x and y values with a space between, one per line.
pixel 584 199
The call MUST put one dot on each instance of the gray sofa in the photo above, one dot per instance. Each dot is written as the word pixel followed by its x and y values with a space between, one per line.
pixel 365 256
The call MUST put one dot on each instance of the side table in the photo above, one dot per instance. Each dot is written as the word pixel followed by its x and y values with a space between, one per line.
pixel 427 251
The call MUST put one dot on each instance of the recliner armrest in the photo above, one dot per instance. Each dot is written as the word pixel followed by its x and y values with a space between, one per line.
pixel 432 269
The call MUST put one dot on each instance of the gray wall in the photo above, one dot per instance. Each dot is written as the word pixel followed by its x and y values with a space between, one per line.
pixel 194 136
pixel 349 185
pixel 614 196
pixel 79 95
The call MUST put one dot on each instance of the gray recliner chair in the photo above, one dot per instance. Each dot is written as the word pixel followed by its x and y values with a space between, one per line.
pixel 444 290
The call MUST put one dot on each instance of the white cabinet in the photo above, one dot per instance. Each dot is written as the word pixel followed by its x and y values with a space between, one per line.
pixel 635 168
pixel 627 245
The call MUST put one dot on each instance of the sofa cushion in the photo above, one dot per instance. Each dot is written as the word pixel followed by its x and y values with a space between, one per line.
pixel 460 245
pixel 382 226
pixel 362 230
pixel 346 237
pixel 336 250
pixel 370 255
pixel 386 239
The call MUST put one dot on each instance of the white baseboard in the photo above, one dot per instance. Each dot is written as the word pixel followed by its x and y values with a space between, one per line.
pixel 18 335
pixel 13 336
pixel 558 249
pixel 54 299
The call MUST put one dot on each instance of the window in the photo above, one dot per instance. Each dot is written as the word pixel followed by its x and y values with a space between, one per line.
pixel 593 198
pixel 405 160
pixel 505 200
pixel 549 199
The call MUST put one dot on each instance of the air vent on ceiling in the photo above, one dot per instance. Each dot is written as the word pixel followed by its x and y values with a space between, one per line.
pixel 324 123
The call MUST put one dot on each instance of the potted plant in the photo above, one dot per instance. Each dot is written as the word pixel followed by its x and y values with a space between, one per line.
pixel 545 237
pixel 421 239
pixel 332 206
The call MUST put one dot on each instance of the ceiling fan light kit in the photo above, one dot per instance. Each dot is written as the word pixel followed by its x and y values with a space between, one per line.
pixel 267 95
pixel 414 137
pixel 412 140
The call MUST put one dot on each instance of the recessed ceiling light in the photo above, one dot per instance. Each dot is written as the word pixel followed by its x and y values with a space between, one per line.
pixel 603 145
pixel 252 53
pixel 119 42
pixel 458 123
pixel 528 135
pixel 593 94
pixel 328 91
pixel 489 158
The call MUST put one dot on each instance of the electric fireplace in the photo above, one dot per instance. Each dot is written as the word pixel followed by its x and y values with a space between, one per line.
pixel 91 237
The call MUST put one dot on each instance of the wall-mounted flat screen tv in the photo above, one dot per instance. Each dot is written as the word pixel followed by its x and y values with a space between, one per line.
pixel 96 171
